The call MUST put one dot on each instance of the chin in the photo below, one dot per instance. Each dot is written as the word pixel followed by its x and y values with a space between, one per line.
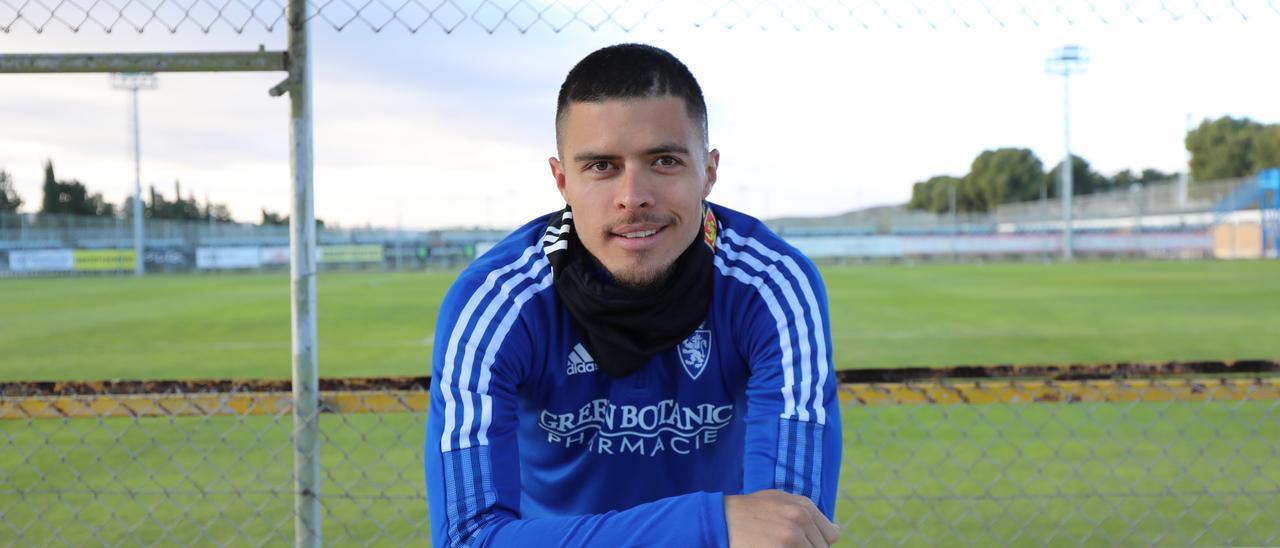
pixel 642 276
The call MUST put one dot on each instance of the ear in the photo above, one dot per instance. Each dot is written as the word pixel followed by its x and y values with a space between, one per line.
pixel 713 164
pixel 557 172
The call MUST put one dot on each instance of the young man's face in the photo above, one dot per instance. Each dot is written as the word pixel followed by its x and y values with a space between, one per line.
pixel 635 172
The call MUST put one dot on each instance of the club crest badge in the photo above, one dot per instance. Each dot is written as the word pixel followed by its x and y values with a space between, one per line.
pixel 694 352
pixel 710 229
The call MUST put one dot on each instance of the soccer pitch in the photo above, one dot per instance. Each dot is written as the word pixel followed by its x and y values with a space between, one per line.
pixel 377 323
pixel 1007 474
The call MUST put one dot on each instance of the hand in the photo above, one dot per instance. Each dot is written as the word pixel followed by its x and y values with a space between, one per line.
pixel 774 518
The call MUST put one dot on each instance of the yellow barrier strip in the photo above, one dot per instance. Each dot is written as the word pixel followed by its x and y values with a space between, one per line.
pixel 1092 391
pixel 204 404
pixel 399 401
pixel 145 405
pixel 416 401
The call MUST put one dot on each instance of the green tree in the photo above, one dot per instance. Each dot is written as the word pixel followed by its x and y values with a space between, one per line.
pixel 185 208
pixel 1265 152
pixel 71 197
pixel 276 219
pixel 943 187
pixel 218 213
pixel 1010 175
pixel 1084 180
pixel 94 204
pixel 934 195
pixel 1154 175
pixel 920 196
pixel 273 219
pixel 180 208
pixel 1000 176
pixel 1224 148
pixel 9 199
pixel 49 202
pixel 1124 178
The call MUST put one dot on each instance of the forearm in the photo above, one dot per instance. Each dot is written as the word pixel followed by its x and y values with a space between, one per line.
pixel 694 519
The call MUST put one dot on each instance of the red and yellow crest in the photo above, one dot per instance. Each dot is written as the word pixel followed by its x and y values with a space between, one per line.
pixel 710 229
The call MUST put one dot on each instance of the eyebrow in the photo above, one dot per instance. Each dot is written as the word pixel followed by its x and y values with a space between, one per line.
pixel 666 148
pixel 594 157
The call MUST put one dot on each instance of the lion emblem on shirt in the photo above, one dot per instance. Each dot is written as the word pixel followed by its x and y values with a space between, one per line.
pixel 695 351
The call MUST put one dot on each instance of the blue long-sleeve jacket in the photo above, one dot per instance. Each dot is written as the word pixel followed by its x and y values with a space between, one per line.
pixel 529 445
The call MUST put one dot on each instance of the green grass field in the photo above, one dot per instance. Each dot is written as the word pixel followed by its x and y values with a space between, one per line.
pixel 986 475
pixel 1175 473
pixel 882 316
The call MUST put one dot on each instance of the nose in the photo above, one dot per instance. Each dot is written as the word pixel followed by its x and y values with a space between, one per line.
pixel 634 191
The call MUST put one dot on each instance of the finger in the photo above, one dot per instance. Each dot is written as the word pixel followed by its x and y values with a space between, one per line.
pixel 813 537
pixel 812 531
pixel 829 531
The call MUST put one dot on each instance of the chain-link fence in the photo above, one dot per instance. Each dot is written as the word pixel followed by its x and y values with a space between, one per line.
pixel 206 469
pixel 53 230
pixel 1180 461
pixel 1137 200
pixel 36 231
pixel 66 245
pixel 1192 205
pixel 558 15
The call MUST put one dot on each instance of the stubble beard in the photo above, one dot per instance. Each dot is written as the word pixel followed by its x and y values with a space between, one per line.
pixel 640 273
pixel 644 277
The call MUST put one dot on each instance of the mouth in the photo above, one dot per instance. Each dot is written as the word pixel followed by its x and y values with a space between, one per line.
pixel 637 237
pixel 639 234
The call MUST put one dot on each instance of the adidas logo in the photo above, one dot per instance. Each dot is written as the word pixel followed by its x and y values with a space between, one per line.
pixel 580 361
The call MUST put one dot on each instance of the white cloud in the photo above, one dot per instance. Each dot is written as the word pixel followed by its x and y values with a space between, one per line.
pixel 433 130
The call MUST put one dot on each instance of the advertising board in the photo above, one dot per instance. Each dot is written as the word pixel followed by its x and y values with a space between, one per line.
pixel 175 258
pixel 216 258
pixel 103 259
pixel 368 253
pixel 41 260
pixel 274 255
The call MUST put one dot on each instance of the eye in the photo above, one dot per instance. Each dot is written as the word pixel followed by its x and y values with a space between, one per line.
pixel 600 166
pixel 667 161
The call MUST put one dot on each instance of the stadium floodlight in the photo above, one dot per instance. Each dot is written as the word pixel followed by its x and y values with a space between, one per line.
pixel 132 82
pixel 1067 60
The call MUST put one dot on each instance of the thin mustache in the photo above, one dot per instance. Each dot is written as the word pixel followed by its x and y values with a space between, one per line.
pixel 641 219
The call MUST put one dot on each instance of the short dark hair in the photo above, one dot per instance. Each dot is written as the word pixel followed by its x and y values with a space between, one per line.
pixel 631 71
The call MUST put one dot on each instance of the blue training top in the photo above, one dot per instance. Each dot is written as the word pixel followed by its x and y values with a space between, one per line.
pixel 528 444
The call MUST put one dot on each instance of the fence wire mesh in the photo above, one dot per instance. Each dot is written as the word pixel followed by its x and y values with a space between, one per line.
pixel 1181 461
pixel 558 15
pixel 1140 462
pixel 204 469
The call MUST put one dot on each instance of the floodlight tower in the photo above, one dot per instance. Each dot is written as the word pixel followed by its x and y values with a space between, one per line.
pixel 1067 60
pixel 132 82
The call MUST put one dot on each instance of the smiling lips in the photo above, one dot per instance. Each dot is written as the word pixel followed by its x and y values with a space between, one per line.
pixel 637 236
pixel 637 230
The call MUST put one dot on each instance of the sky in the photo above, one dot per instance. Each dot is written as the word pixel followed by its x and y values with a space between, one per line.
pixel 433 130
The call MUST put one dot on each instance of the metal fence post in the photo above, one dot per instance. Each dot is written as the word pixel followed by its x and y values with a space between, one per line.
pixel 302 244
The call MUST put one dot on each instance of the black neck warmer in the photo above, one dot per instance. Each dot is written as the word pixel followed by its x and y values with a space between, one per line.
pixel 623 327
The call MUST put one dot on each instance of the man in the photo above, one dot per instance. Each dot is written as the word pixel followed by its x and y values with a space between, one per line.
pixel 621 372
